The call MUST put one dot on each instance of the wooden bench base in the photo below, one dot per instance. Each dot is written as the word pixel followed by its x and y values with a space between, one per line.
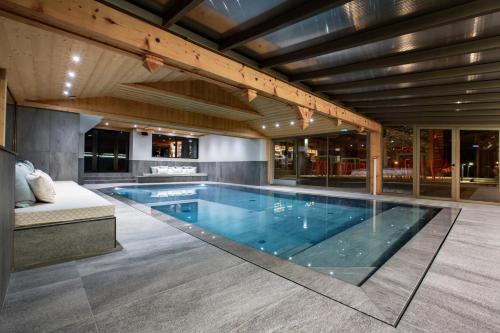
pixel 41 245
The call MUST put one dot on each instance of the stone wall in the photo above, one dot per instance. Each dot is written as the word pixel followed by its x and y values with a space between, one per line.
pixel 50 140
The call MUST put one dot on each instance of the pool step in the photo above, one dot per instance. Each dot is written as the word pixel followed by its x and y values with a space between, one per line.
pixel 102 178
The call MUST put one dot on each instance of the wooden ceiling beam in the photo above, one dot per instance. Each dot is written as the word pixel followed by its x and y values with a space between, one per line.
pixel 196 91
pixel 461 88
pixel 430 100
pixel 419 55
pixel 279 18
pixel 413 77
pixel 152 63
pixel 423 108
pixel 177 10
pixel 249 95
pixel 304 116
pixel 119 109
pixel 95 21
pixel 405 26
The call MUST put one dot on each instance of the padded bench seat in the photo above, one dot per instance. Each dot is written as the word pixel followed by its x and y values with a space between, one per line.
pixel 165 178
pixel 79 224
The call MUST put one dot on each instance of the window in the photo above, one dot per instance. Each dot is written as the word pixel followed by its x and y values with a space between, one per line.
pixel 284 159
pixel 397 170
pixel 174 147
pixel 106 151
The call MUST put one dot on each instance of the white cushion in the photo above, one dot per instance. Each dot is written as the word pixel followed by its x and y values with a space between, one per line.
pixel 42 186
pixel 154 170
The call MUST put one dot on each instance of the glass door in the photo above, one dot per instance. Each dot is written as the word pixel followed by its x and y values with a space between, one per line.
pixel 312 161
pixel 436 163
pixel 479 165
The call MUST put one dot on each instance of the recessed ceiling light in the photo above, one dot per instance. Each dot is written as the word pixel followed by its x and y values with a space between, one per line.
pixel 107 124
pixel 71 74
pixel 68 84
pixel 135 125
pixel 263 126
pixel 277 125
pixel 458 102
pixel 159 128
pixel 292 123
pixel 66 93
pixel 75 58
pixel 311 120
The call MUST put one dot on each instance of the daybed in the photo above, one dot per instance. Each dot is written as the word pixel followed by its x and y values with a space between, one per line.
pixel 162 174
pixel 78 224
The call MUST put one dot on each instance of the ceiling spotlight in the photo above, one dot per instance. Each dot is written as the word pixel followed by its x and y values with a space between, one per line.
pixel 66 93
pixel 159 128
pixel 135 125
pixel 75 58
pixel 107 124
pixel 292 123
pixel 311 120
pixel 68 85
pixel 190 133
pixel 277 125
pixel 458 102
pixel 71 74
pixel 263 126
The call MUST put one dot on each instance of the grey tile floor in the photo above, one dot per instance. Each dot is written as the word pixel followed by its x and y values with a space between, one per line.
pixel 167 281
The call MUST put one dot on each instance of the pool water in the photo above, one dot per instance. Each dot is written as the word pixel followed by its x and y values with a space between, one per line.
pixel 345 238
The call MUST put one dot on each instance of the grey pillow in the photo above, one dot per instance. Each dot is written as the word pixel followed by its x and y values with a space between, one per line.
pixel 24 197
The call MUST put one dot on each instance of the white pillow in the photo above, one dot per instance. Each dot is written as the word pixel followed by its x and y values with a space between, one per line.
pixel 42 186
pixel 154 170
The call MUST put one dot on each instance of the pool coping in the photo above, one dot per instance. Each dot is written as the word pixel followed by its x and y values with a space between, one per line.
pixel 385 295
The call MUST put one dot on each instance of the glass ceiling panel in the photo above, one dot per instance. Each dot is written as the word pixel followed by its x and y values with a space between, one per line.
pixel 341 21
pixel 430 65
pixel 482 26
pixel 352 98
pixel 460 79
pixel 221 16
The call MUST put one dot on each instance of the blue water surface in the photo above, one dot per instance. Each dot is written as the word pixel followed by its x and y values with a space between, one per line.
pixel 346 238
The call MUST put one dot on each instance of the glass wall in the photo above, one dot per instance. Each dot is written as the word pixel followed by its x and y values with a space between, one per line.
pixel 174 147
pixel 285 161
pixel 106 151
pixel 436 163
pixel 312 161
pixel 397 163
pixel 347 160
pixel 334 160
pixel 479 165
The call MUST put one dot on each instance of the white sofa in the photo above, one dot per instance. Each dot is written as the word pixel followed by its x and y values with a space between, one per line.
pixel 164 173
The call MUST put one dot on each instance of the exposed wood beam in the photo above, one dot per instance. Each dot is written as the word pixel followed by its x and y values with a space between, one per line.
pixel 3 105
pixel 405 26
pixel 95 21
pixel 472 46
pixel 119 109
pixel 249 95
pixel 279 19
pixel 177 10
pixel 396 115
pixel 304 116
pixel 418 91
pixel 423 108
pixel 414 77
pixel 194 94
pixel 375 159
pixel 152 63
pixel 434 100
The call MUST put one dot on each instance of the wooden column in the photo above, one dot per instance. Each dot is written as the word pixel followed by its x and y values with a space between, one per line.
pixel 376 157
pixel 3 105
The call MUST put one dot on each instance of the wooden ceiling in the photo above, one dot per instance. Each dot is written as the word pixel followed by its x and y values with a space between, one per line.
pixel 38 62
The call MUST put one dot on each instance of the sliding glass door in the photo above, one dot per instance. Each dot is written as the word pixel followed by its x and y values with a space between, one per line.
pixel 436 163
pixel 479 165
